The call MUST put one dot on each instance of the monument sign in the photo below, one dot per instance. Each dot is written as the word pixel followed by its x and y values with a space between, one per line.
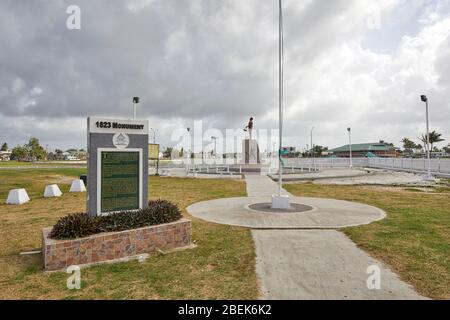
pixel 117 165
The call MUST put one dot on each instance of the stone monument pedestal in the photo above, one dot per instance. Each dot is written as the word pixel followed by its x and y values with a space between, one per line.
pixel 250 152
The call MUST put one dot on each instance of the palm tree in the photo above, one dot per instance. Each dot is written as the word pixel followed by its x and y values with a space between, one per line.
pixel 408 145
pixel 434 138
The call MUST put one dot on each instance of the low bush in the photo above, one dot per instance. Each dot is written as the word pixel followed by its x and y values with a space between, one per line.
pixel 82 225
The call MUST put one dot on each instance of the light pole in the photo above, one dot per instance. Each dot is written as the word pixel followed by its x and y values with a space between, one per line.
pixel 135 102
pixel 154 142
pixel 350 145
pixel 424 98
pixel 187 151
pixel 279 201
pixel 313 155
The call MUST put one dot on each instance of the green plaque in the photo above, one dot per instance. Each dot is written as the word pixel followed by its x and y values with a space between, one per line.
pixel 119 181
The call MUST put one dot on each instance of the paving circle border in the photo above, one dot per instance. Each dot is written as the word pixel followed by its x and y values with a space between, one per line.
pixel 326 213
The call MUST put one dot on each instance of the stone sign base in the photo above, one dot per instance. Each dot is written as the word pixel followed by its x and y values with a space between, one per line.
pixel 250 152
pixel 103 247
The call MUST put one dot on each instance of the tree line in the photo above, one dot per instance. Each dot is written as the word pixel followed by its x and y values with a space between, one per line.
pixel 410 146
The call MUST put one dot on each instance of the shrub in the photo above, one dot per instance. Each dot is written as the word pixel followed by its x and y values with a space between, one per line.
pixel 82 225
pixel 74 226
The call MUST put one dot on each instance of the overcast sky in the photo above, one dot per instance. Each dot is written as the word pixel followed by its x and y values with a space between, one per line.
pixel 353 63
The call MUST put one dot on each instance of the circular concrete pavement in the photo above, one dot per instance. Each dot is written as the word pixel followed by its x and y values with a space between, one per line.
pixel 321 214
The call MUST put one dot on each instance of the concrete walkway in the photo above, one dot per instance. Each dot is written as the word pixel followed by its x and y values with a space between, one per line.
pixel 320 264
pixel 306 264
pixel 261 186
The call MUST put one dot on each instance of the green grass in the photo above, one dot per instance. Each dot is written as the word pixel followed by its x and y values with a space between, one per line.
pixel 34 180
pixel 414 239
pixel 221 267
pixel 38 164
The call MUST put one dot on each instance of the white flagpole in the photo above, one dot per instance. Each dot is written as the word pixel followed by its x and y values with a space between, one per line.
pixel 281 88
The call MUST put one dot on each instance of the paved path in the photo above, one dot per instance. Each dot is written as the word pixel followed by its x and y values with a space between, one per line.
pixel 320 264
pixel 261 186
pixel 306 264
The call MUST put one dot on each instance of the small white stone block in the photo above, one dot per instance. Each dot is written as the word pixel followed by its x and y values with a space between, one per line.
pixel 77 186
pixel 281 202
pixel 17 196
pixel 52 191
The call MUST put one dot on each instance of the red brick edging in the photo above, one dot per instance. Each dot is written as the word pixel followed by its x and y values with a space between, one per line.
pixel 59 254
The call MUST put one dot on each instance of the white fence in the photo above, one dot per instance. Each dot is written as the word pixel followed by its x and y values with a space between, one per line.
pixel 438 166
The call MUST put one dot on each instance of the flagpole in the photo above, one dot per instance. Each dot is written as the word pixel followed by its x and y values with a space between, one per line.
pixel 281 88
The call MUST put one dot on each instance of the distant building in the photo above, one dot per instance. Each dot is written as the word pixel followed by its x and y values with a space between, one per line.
pixel 70 157
pixel 289 151
pixel 5 155
pixel 366 150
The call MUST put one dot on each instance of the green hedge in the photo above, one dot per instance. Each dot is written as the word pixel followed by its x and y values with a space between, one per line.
pixel 82 225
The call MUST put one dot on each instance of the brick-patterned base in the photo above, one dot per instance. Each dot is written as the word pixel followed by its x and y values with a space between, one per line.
pixel 59 254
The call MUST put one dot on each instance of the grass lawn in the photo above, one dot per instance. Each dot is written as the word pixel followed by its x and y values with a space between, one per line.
pixel 6 164
pixel 221 267
pixel 414 239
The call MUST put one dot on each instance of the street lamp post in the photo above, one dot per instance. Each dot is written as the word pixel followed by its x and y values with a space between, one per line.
pixel 350 145
pixel 135 102
pixel 313 155
pixel 187 151
pixel 424 98
pixel 157 160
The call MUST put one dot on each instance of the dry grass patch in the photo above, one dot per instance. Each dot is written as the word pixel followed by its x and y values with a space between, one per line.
pixel 221 267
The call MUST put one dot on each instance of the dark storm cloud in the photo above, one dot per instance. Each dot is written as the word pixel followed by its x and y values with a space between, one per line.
pixel 214 60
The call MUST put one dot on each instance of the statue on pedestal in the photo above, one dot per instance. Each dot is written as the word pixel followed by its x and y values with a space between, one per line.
pixel 249 128
pixel 250 148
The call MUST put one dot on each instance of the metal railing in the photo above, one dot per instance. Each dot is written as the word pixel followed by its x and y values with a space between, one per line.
pixel 438 166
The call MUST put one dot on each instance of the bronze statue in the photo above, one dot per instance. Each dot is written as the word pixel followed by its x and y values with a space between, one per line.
pixel 249 128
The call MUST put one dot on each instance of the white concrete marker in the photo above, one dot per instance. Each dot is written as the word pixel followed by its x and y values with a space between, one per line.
pixel 52 191
pixel 77 186
pixel 17 196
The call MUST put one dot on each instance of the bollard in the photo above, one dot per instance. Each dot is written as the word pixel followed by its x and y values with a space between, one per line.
pixel 17 197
